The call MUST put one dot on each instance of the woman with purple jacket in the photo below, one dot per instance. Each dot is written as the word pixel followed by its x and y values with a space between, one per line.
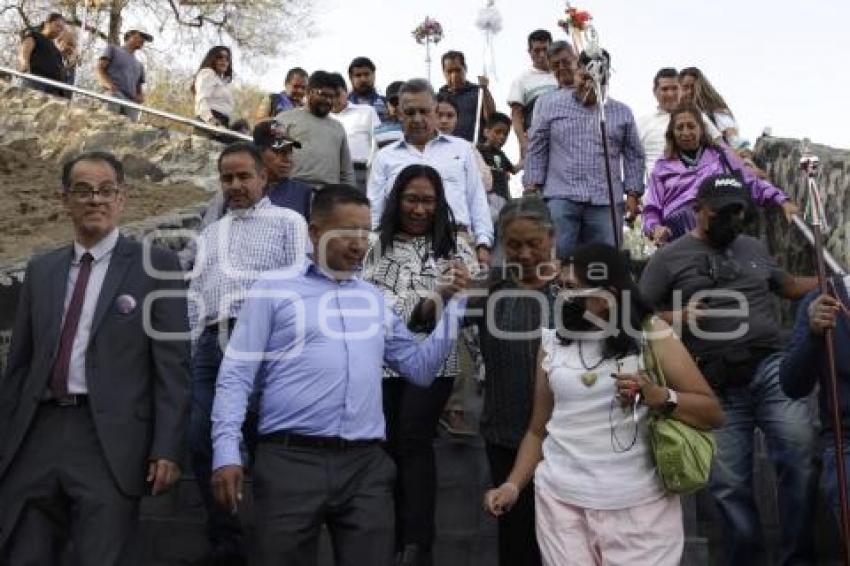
pixel 689 158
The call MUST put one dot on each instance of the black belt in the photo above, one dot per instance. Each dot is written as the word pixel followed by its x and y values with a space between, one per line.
pixel 216 326
pixel 304 441
pixel 67 401
pixel 359 165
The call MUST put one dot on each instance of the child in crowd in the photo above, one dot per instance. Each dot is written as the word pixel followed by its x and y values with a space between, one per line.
pixel 496 132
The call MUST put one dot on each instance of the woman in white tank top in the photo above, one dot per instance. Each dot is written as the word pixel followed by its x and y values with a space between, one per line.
pixel 598 498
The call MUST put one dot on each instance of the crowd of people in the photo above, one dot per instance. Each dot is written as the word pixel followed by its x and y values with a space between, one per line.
pixel 362 264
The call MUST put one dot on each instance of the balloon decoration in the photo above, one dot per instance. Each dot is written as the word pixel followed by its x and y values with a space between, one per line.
pixel 489 21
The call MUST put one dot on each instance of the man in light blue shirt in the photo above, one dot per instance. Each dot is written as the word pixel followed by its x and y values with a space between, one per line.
pixel 312 342
pixel 454 158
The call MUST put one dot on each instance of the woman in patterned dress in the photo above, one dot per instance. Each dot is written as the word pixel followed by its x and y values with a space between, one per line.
pixel 419 262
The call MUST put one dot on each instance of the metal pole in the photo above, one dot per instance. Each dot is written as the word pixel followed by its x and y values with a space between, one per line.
pixel 478 106
pixel 615 226
pixel 128 104
pixel 428 56
pixel 834 399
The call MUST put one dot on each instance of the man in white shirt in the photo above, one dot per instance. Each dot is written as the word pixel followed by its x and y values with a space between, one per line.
pixel 452 157
pixel 653 127
pixel 527 87
pixel 360 122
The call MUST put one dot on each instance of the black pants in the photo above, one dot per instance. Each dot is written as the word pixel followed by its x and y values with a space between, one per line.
pixel 58 489
pixel 224 530
pixel 517 536
pixel 224 122
pixel 297 490
pixel 411 414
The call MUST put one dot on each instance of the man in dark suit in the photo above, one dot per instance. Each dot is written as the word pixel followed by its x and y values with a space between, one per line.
pixel 93 405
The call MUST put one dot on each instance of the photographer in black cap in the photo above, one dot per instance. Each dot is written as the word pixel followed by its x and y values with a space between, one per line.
pixel 276 149
pixel 716 286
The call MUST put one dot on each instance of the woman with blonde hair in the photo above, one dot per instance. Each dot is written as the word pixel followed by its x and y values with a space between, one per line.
pixel 694 87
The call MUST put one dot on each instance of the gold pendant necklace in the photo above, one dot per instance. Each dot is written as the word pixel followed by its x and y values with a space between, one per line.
pixel 589 377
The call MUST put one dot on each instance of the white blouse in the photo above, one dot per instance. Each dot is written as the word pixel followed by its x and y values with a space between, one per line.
pixel 212 93
pixel 580 464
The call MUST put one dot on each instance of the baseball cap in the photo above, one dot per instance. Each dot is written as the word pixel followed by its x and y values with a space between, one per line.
pixel 393 90
pixel 269 134
pixel 719 191
pixel 146 36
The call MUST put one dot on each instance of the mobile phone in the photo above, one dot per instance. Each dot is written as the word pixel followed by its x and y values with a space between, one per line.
pixel 628 364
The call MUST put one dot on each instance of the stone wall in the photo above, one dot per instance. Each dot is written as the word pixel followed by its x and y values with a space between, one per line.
pixel 56 128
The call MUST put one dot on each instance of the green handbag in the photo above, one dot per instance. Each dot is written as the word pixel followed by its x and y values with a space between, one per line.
pixel 683 454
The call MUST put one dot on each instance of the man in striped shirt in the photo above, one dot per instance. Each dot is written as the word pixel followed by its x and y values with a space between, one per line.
pixel 565 161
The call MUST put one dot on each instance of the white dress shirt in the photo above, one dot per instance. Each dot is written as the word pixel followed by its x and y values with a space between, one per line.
pixel 652 129
pixel 360 122
pixel 101 254
pixel 234 251
pixel 454 158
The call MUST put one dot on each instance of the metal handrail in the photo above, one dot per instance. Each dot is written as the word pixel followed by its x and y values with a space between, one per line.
pixel 127 104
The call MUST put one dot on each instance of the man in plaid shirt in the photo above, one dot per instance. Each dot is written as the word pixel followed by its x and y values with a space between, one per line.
pixel 253 237
pixel 565 162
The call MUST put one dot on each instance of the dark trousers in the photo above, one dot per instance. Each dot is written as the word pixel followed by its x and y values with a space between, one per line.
pixel 411 414
pixel 59 489
pixel 361 176
pixel 517 535
pixel 297 490
pixel 223 529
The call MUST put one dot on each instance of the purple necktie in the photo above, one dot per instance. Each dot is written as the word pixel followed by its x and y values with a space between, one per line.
pixel 59 377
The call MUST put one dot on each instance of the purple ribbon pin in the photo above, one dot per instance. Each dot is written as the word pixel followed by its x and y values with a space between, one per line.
pixel 125 304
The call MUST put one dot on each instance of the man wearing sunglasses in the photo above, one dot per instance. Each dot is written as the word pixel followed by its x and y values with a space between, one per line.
pixel 93 404
pixel 716 286
pixel 324 157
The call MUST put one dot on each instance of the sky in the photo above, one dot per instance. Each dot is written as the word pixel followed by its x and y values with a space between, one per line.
pixel 777 63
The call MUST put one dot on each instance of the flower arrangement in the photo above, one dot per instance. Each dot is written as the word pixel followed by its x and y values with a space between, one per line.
pixel 429 31
pixel 575 24
pixel 576 18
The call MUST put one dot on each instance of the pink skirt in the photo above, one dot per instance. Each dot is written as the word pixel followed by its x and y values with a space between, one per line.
pixel 645 534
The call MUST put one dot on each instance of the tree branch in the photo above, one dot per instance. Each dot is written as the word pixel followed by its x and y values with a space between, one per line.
pixel 198 20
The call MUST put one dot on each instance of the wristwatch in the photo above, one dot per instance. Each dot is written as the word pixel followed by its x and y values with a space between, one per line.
pixel 671 403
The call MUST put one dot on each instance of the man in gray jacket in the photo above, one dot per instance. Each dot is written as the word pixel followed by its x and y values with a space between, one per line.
pixel 93 405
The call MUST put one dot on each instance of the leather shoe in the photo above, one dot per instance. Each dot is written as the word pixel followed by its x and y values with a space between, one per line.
pixel 415 555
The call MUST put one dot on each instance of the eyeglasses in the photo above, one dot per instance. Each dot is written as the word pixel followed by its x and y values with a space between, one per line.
pixel 83 192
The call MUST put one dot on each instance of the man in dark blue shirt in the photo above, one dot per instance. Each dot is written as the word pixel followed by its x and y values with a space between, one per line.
pixel 806 365
pixel 277 157
pixel 465 94
pixel 361 73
